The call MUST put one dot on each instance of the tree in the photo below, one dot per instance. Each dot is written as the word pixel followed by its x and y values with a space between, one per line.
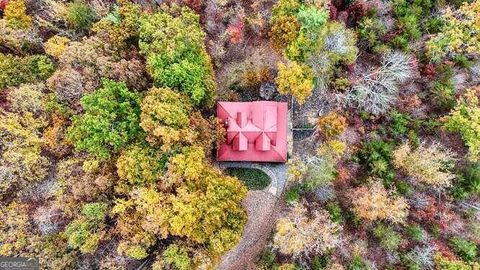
pixel 300 234
pixel 296 80
pixel 21 160
pixel 16 14
pixel 121 25
pixel 27 98
pixel 56 45
pixel 188 164
pixel 18 70
pixel 80 15
pixel 55 135
pixel 458 35
pixel 429 164
pixel 141 219
pixel 173 43
pixel 83 63
pixel 311 19
pixel 165 118
pixel 389 239
pixel 443 262
pixel 376 157
pixel 19 41
pixel 284 30
pixel 110 121
pixel 334 44
pixel 67 84
pixel 296 26
pixel 140 165
pixel 177 256
pixel 374 203
pixel 464 119
pixel 337 43
pixel 82 180
pixel 321 172
pixel 331 125
pixel 378 89
pixel 15 229
pixel 200 212
pixel 86 231
pixel 203 206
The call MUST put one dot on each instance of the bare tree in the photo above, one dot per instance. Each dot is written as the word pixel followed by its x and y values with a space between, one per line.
pixel 377 90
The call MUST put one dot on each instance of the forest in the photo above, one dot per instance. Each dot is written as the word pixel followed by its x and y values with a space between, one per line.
pixel 108 133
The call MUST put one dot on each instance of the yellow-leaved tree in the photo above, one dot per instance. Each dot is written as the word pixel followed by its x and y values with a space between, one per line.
pixel 165 117
pixel 465 119
pixel 193 200
pixel 428 164
pixel 295 79
pixel 16 15
pixel 374 202
pixel 300 234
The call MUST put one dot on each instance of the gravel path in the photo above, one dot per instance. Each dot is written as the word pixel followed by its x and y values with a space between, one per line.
pixel 262 207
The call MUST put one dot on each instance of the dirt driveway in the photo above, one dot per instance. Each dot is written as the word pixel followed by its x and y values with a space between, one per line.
pixel 263 207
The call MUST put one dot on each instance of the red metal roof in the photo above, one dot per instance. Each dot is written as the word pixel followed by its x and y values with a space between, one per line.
pixel 256 131
pixel 3 4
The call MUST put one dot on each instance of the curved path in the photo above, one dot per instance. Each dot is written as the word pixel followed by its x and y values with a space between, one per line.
pixel 262 210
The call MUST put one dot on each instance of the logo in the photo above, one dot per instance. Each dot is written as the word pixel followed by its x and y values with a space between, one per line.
pixel 19 263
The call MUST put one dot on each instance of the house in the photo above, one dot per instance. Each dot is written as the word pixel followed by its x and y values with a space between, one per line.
pixel 3 4
pixel 256 131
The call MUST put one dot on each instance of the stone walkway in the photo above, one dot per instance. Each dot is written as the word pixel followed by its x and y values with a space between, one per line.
pixel 262 210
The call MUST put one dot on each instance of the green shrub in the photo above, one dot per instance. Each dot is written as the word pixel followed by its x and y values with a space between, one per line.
pixel 403 188
pixel 462 61
pixel 353 219
pixel 433 25
pixel 292 196
pixel 254 179
pixel 443 89
pixel 471 178
pixel 357 263
pixel 408 17
pixel 85 232
pixel 415 232
pixel 376 156
pixel 464 119
pixel 399 123
pixel 268 260
pixel 335 211
pixel 372 30
pixel 413 138
pixel 79 15
pixel 469 182
pixel 389 239
pixel 321 262
pixel 311 20
pixel 465 249
pixel 177 257
pixel 435 230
